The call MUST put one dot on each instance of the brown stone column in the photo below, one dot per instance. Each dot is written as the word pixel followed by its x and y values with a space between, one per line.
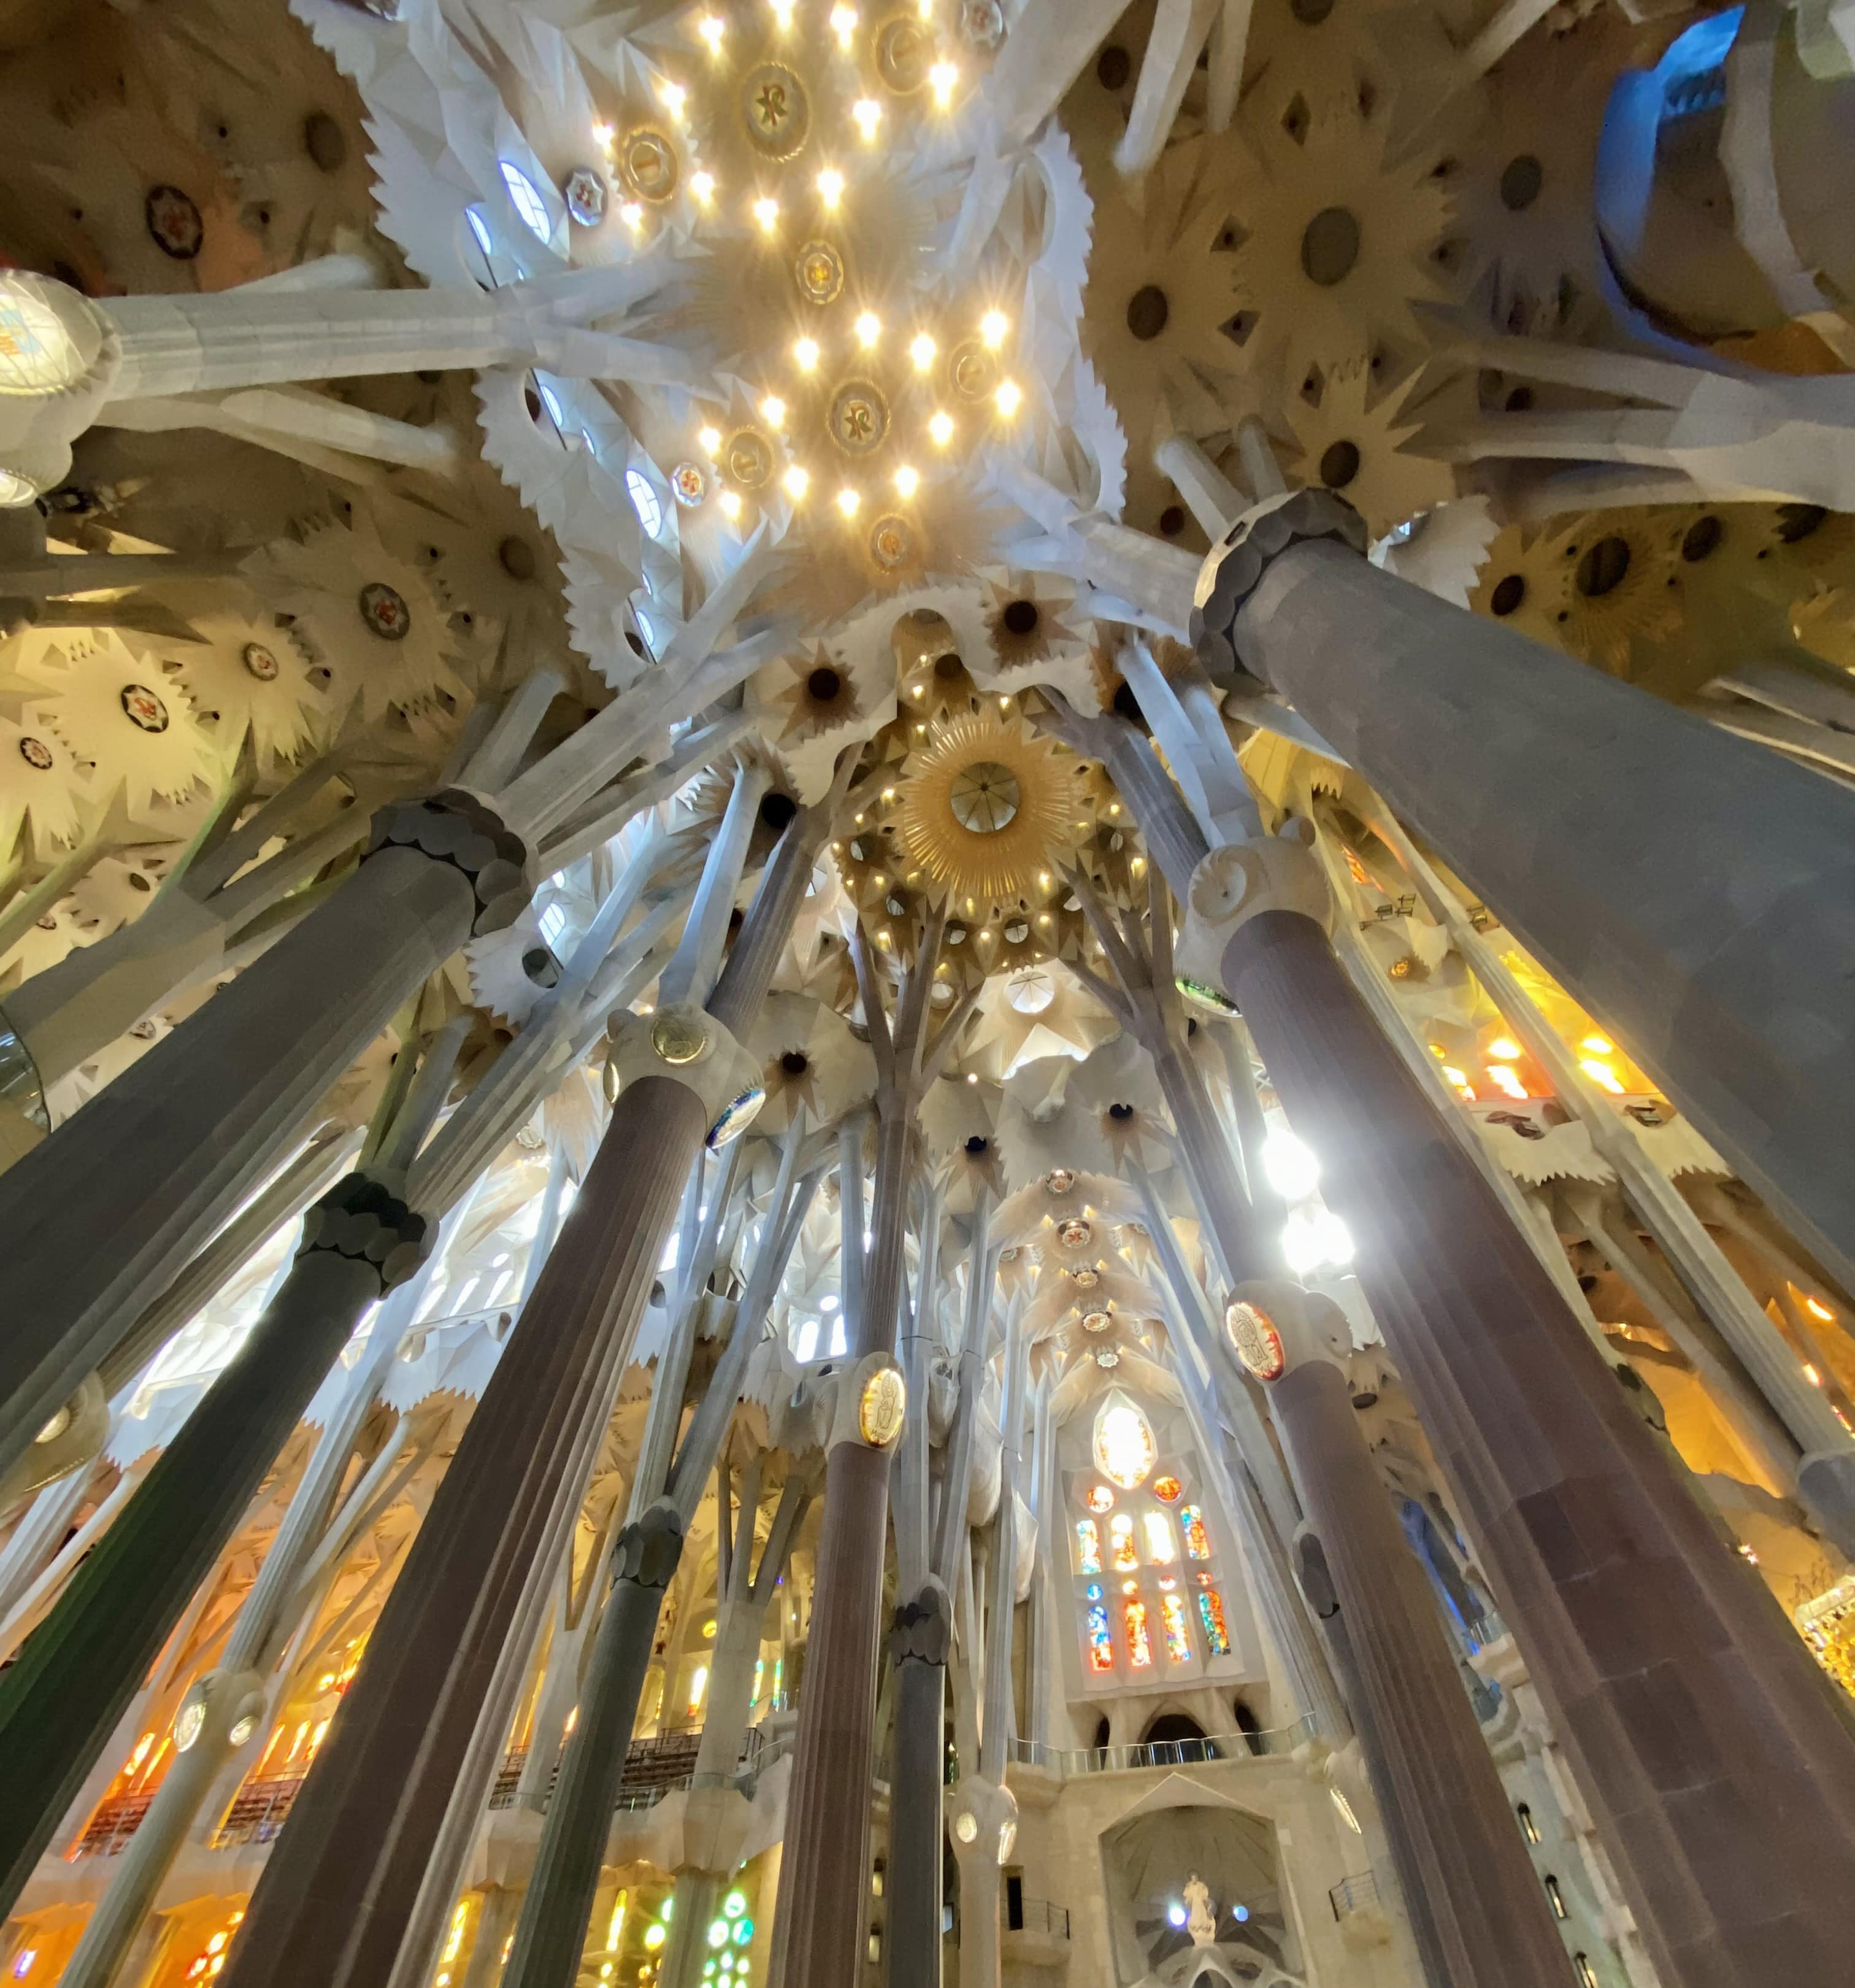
pixel 1719 1767
pixel 1475 1906
pixel 333 1903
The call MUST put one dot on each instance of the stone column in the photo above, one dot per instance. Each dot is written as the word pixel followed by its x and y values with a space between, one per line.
pixel 1695 893
pixel 1720 1770
pixel 102 1214
pixel 919 1640
pixel 61 1700
pixel 1476 1907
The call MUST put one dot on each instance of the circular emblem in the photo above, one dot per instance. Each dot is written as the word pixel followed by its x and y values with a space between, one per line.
pixel 776 109
pixel 750 458
pixel 984 797
pixel 261 662
pixel 688 484
pixel 1086 1278
pixel 383 609
pixel 1257 1343
pixel 1097 1321
pixel 1060 1180
pixel 678 1039
pixel 981 23
pixel 1106 1356
pixel 737 1114
pixel 973 370
pixel 175 225
pixel 904 51
pixel 859 419
pixel 1075 1234
pixel 647 164
pixel 1099 1498
pixel 583 190
pixel 1167 1490
pixel 818 273
pixel 36 754
pixel 143 708
pixel 187 1725
pixel 891 543
pixel 881 1408
pixel 966 1826
pixel 242 1728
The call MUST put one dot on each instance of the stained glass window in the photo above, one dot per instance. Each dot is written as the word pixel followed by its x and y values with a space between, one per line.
pixel 1120 1533
pixel 1167 1490
pixel 1099 1499
pixel 1178 1633
pixel 527 202
pixel 1211 1613
pixel 1088 1546
pixel 1124 1444
pixel 1198 1541
pixel 1140 1644
pixel 1101 1645
pixel 1162 1549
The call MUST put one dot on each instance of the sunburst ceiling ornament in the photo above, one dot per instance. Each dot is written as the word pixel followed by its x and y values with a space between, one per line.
pixel 986 809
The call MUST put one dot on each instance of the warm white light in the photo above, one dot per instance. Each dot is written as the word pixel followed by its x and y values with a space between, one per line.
pixel 1464 1089
pixel 830 186
pixel 602 136
pixel 1821 1311
pixel 1008 399
pixel 783 13
pixel 943 75
pixel 993 326
pixel 766 211
pixel 712 29
pixel 772 411
pixel 867 113
pixel 804 354
pixel 1811 1375
pixel 847 501
pixel 843 25
pixel 1504 1079
pixel 703 186
pixel 1292 1170
pixel 1603 1075
pixel 907 480
pixel 632 214
pixel 869 329
pixel 796 482
pixel 710 439
pixel 1599 1045
pixel 921 350
pixel 940 430
pixel 1505 1048
pixel 1312 1238
pixel 731 504
pixel 674 96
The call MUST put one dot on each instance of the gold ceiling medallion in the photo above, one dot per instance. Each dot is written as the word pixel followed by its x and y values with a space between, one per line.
pixel 891 542
pixel 973 370
pixel 859 419
pixel 986 808
pixel 647 164
pixel 818 273
pixel 905 52
pixel 777 110
pixel 749 457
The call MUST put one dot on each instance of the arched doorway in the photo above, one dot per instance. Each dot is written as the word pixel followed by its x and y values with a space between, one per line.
pixel 1248 1726
pixel 1176 1737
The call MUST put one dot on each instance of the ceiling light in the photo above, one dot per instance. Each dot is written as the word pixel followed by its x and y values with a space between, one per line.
pixel 1505 1048
pixel 830 186
pixel 766 211
pixel 711 30
pixel 772 411
pixel 796 482
pixel 867 113
pixel 921 350
pixel 943 75
pixel 843 25
pixel 869 329
pixel 731 504
pixel 940 430
pixel 674 96
pixel 1008 399
pixel 804 354
pixel 847 501
pixel 907 480
pixel 992 329
pixel 632 214
pixel 783 13
pixel 703 186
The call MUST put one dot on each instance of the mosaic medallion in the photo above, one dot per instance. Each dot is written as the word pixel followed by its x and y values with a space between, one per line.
pixel 689 483
pixel 261 662
pixel 1075 1234
pixel 36 754
pixel 1258 1343
pixel 1106 1356
pixel 173 222
pixel 981 23
pixel 985 798
pixel 905 52
pixel 859 418
pixel 737 1114
pixel 647 164
pixel 1060 1180
pixel 891 543
pixel 678 1039
pixel 881 1409
pixel 583 190
pixel 973 370
pixel 819 272
pixel 143 709
pixel 748 458
pixel 383 609
pixel 777 111
pixel 1096 1321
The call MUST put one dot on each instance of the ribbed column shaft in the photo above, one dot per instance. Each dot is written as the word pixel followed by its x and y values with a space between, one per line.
pixel 912 1892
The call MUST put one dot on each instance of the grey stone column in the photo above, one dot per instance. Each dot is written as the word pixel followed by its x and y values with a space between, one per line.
pixel 1695 893
pixel 919 1640
pixel 1719 1767
pixel 1476 1906
pixel 343 1878
pixel 61 1700
pixel 103 1214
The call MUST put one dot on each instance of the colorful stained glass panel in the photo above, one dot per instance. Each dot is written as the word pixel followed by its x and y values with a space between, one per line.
pixel 1121 1534
pixel 1211 1613
pixel 1124 1444
pixel 1139 1643
pixel 1178 1632
pixel 1162 1549
pixel 1198 1541
pixel 1088 1547
pixel 1101 1645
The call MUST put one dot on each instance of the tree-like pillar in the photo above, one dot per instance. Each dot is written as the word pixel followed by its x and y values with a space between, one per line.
pixel 1475 1906
pixel 1720 1770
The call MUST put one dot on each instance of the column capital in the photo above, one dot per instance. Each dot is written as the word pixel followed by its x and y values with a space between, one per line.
pixel 66 354
pixel 1237 882
pixel 646 1552
pixel 361 1218
pixel 687 1045
pixel 982 1819
pixel 1274 1326
pixel 921 1631
pixel 463 829
pixel 1234 567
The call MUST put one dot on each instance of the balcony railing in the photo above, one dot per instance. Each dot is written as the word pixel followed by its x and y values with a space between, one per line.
pixel 1216 1746
pixel 1351 1893
pixel 1036 1916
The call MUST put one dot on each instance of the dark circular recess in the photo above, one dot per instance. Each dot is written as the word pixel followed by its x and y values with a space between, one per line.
pixel 947 667
pixel 1127 706
pixel 324 141
pixel 1329 246
pixel 1148 311
pixel 823 683
pixel 138 882
pixel 1521 181
pixel 1020 617
pixel 1310 13
pixel 1112 67
pixel 516 557
pixel 1508 594
pixel 1172 521
pixel 531 400
pixel 1120 1113
pixel 978 1143
pixel 794 1062
pixel 776 809
pixel 1797 522
pixel 657 1290
pixel 1519 401
pixel 1603 568
pixel 635 641
pixel 1701 537
pixel 1339 464
pixel 540 966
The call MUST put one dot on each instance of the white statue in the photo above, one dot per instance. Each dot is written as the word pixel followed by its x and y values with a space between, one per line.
pixel 1201 1921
